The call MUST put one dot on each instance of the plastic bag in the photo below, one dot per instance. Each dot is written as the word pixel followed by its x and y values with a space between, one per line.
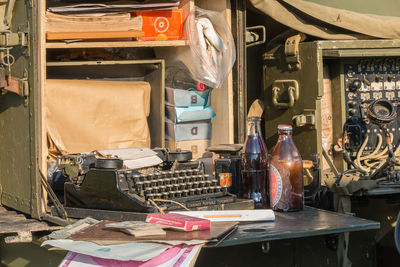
pixel 212 47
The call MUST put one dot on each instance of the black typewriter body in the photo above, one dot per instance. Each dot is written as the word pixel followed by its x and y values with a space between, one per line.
pixel 128 190
pixel 108 185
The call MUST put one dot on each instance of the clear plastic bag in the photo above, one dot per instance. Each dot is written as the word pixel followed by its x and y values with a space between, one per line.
pixel 212 47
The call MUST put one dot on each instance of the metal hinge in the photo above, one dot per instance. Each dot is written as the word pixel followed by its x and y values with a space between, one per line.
pixel 292 51
pixel 307 118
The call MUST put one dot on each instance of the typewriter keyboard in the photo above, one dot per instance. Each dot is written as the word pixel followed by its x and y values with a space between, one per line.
pixel 172 185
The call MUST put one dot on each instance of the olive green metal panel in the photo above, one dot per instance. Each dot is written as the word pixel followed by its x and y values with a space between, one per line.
pixel 18 185
pixel 310 84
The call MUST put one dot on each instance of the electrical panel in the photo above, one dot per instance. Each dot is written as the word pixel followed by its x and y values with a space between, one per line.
pixel 366 80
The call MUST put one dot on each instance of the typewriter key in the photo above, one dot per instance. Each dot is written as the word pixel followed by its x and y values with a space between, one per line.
pixel 148 191
pixel 156 189
pixel 172 194
pixel 150 196
pixel 198 191
pixel 164 195
pixel 185 192
pixel 142 177
pixel 162 188
pixel 192 192
pixel 146 184
pixel 135 178
pixel 189 185
pixel 196 184
pixel 178 194
pixel 182 186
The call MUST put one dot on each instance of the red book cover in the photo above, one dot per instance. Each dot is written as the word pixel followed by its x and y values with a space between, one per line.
pixel 178 221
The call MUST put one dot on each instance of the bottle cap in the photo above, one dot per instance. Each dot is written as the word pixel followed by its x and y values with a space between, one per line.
pixel 284 127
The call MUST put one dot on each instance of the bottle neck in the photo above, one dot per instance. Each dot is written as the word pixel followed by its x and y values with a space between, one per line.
pixel 285 134
pixel 253 128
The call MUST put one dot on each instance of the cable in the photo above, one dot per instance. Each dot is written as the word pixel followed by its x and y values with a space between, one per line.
pixel 397 233
pixel 339 178
pixel 378 146
pixel 364 144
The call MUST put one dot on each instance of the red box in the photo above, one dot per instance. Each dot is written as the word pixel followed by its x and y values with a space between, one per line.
pixel 161 24
pixel 178 221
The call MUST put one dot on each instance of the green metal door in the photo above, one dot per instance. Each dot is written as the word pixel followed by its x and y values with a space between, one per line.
pixel 18 183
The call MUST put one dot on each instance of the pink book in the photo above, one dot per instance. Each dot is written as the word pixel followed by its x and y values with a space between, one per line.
pixel 179 221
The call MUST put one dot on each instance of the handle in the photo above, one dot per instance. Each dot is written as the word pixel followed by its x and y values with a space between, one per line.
pixel 292 97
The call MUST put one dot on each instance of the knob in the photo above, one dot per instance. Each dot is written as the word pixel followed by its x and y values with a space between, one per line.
pixel 351 103
pixel 354 85
pixel 352 112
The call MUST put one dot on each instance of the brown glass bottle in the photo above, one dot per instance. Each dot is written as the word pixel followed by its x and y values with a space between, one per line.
pixel 254 165
pixel 286 185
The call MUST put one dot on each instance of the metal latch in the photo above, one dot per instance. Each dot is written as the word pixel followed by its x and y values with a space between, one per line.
pixel 292 51
pixel 253 35
pixel 285 87
pixel 8 38
pixel 14 85
pixel 305 119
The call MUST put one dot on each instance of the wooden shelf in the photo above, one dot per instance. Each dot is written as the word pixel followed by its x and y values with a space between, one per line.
pixel 117 44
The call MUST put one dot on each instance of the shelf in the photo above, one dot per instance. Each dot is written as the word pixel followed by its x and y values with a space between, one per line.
pixel 117 44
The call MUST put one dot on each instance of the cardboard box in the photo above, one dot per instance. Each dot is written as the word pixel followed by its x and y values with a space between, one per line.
pixel 151 71
pixel 161 24
pixel 188 131
pixel 189 114
pixel 198 147
pixel 187 98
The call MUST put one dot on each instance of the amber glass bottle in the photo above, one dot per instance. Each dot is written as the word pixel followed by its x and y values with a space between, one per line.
pixel 254 165
pixel 286 186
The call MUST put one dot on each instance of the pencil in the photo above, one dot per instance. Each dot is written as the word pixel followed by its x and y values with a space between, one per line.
pixel 222 216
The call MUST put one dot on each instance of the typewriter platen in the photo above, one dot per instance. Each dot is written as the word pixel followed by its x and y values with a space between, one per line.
pixel 103 184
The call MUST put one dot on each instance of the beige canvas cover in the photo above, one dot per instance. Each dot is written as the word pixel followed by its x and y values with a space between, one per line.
pixel 328 22
pixel 87 115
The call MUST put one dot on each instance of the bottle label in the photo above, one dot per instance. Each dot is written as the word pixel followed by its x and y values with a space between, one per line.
pixel 225 179
pixel 275 185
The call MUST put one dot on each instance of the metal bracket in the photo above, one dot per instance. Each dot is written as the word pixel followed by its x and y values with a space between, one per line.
pixel 292 51
pixel 15 85
pixel 8 39
pixel 253 38
pixel 292 87
pixel 305 119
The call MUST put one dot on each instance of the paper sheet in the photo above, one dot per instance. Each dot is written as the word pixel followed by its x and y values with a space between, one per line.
pixel 134 158
pixel 87 115
pixel 124 252
pixel 175 256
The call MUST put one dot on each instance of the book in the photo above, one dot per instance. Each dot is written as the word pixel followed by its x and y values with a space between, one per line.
pixel 179 221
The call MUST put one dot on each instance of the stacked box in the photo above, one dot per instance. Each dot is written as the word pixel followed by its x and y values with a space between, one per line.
pixel 188 120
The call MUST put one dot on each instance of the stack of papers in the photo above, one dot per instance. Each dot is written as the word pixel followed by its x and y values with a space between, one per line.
pixel 115 6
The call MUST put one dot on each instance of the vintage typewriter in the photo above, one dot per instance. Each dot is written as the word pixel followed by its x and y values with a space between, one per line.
pixel 104 184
